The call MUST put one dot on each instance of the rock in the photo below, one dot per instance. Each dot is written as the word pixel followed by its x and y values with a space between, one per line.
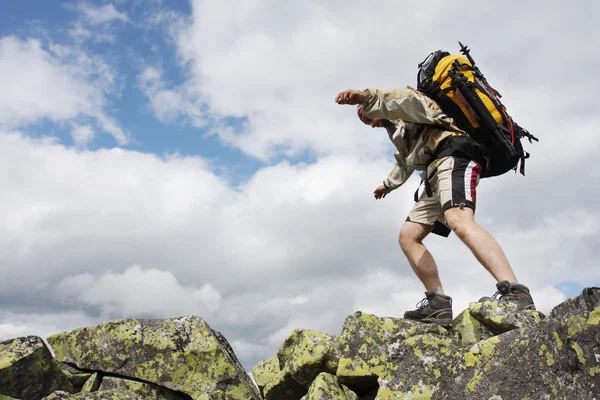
pixel 327 387
pixel 582 305
pixel 28 371
pixel 468 330
pixel 503 317
pixel 142 389
pixel 101 395
pixel 265 372
pixel 92 384
pixel 300 359
pixel 367 341
pixel 76 377
pixel 181 354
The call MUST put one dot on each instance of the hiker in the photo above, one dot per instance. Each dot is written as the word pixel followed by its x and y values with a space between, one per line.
pixel 450 162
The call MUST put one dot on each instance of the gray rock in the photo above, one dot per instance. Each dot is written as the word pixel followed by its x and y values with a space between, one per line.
pixel 28 371
pixel 181 354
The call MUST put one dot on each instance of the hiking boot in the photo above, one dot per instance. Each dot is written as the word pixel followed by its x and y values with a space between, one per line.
pixel 512 293
pixel 434 308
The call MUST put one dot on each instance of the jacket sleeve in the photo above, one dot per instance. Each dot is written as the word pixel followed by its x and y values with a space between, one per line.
pixel 397 176
pixel 405 104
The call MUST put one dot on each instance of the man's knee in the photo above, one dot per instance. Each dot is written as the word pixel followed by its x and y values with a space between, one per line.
pixel 412 233
pixel 460 220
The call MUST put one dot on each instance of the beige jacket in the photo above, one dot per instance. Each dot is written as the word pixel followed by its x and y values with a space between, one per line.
pixel 417 127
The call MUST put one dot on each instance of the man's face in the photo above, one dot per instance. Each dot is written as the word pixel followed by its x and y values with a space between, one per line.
pixel 373 123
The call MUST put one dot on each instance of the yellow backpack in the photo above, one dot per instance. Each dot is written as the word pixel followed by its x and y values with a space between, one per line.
pixel 463 93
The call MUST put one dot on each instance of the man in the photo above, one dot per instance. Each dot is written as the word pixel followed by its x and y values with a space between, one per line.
pixel 427 140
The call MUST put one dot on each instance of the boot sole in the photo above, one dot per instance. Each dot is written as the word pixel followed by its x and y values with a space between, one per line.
pixel 445 323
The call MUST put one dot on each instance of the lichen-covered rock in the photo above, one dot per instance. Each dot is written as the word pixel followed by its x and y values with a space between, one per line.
pixel 300 359
pixel 100 395
pixel 76 377
pixel 182 354
pixel 367 341
pixel 536 362
pixel 142 389
pixel 305 354
pixel 3 397
pixel 419 365
pixel 468 330
pixel 491 351
pixel 266 371
pixel 503 317
pixel 92 384
pixel 28 371
pixel 582 305
pixel 327 387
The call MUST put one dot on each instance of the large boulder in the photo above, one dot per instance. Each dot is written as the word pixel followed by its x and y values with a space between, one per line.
pixel 28 370
pixel 181 354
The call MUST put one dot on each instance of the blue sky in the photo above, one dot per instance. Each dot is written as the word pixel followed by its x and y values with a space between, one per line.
pixel 131 47
pixel 167 158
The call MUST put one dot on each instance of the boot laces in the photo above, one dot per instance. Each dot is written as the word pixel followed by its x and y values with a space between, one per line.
pixel 505 296
pixel 422 304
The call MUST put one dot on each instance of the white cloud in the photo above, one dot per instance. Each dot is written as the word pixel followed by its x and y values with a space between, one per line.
pixel 137 292
pixel 82 135
pixel 60 83
pixel 251 60
pixel 171 104
pixel 101 15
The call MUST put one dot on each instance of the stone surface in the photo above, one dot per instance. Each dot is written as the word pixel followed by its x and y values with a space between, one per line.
pixel 327 387
pixel 142 389
pixel 28 371
pixel 100 395
pixel 300 359
pixel 181 354
pixel 582 305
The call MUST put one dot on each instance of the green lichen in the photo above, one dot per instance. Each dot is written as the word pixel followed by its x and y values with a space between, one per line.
pixel 579 352
pixel 485 348
pixel 594 370
pixel 594 318
pixel 474 381
pixel 575 325
pixel 559 343
pixel 544 351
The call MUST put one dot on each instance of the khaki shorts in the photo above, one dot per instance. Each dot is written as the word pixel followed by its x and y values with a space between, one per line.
pixel 453 182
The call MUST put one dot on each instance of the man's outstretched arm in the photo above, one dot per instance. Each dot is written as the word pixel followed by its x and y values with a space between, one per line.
pixel 392 104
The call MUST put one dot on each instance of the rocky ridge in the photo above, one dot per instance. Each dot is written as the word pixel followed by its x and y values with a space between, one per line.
pixel 491 351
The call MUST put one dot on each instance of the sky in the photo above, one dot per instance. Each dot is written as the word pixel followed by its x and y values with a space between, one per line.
pixel 169 158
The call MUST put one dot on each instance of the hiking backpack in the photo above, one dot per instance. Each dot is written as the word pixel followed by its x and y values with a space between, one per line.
pixel 456 84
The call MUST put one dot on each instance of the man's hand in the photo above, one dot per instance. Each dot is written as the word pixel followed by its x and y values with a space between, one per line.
pixel 381 192
pixel 350 96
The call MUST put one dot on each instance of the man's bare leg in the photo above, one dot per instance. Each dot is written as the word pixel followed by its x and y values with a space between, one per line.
pixel 483 245
pixel 420 259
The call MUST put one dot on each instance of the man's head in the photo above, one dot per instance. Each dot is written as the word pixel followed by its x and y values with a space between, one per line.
pixel 374 123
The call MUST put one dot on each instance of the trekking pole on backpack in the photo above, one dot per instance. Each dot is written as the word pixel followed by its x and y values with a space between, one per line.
pixel 467 91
